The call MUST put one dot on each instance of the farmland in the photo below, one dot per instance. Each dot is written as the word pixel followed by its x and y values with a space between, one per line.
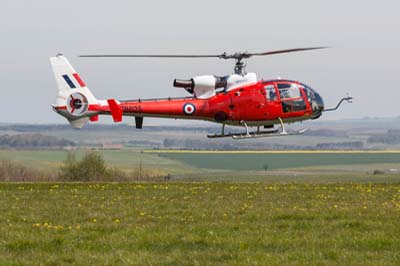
pixel 199 224
pixel 282 166
pixel 253 160
pixel 125 159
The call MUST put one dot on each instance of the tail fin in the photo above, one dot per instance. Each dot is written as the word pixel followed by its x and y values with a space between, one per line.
pixel 74 100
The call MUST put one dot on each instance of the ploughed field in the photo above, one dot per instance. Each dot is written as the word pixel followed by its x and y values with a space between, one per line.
pixel 199 224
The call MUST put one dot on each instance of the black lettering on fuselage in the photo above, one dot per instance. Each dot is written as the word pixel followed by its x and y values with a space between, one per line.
pixel 132 109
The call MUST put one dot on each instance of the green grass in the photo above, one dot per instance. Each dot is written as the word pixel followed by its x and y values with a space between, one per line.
pixel 125 159
pixel 199 224
pixel 291 166
pixel 256 161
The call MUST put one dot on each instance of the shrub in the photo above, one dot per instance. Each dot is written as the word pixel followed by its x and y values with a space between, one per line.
pixel 12 171
pixel 91 168
pixel 378 172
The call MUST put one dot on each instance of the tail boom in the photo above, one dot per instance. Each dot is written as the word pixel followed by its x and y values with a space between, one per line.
pixel 78 105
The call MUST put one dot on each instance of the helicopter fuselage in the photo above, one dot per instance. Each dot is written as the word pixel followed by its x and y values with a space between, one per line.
pixel 260 104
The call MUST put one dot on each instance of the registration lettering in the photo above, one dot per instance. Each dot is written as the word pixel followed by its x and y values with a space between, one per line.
pixel 132 109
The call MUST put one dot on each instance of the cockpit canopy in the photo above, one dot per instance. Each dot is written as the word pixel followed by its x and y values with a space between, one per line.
pixel 291 97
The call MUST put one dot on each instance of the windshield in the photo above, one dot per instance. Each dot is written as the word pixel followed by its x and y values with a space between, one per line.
pixel 309 92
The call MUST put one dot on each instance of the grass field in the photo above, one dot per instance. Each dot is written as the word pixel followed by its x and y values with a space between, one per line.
pixel 235 165
pixel 124 159
pixel 199 224
pixel 278 160
pixel 225 160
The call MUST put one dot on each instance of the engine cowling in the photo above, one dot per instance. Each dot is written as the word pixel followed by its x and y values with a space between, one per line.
pixel 202 87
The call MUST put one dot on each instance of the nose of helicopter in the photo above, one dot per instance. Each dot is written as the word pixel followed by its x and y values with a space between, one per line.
pixel 319 106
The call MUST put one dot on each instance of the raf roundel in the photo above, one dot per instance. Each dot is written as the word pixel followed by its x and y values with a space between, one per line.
pixel 189 109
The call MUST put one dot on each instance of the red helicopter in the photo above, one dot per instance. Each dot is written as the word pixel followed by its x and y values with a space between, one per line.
pixel 239 99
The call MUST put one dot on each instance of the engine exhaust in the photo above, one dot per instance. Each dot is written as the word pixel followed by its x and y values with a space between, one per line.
pixel 183 83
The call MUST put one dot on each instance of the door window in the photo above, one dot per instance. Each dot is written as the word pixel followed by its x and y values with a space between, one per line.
pixel 289 91
pixel 270 93
pixel 292 100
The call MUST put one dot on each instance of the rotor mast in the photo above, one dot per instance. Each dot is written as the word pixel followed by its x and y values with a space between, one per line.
pixel 240 67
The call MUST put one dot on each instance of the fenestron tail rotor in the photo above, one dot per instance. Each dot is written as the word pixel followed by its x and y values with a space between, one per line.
pixel 239 56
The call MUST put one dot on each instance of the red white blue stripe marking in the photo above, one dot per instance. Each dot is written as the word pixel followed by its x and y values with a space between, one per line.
pixel 77 78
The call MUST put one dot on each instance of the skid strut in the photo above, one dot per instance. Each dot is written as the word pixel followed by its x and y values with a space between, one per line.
pixel 247 128
pixel 283 131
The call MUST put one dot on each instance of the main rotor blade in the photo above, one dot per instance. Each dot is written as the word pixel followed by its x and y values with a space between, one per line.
pixel 151 55
pixel 286 51
pixel 238 56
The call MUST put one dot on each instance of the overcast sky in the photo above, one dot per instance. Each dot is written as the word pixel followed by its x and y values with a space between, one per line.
pixel 364 58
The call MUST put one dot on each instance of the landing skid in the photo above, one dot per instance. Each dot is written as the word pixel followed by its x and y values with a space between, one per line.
pixel 257 134
pixel 263 134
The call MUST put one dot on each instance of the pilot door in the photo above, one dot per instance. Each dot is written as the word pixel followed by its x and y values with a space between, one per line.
pixel 292 99
pixel 273 108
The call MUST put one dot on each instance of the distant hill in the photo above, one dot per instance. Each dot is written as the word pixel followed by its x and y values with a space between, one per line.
pixel 33 141
pixel 326 133
pixel 103 127
pixel 390 137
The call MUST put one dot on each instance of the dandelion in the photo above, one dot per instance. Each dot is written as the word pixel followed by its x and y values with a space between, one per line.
pixel 141 214
pixel 58 227
pixel 94 220
pixel 117 221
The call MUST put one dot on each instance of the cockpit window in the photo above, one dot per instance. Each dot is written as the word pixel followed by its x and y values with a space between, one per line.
pixel 270 93
pixel 291 97
pixel 289 91
pixel 284 85
pixel 309 92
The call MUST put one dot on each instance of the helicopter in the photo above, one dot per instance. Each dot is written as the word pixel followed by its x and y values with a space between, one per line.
pixel 238 99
